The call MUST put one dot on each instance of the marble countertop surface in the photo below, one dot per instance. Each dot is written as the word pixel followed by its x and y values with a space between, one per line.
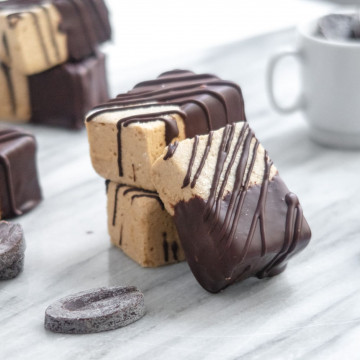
pixel 311 311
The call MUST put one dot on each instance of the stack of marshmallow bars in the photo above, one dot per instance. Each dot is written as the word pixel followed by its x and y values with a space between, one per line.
pixel 51 71
pixel 130 132
pixel 186 177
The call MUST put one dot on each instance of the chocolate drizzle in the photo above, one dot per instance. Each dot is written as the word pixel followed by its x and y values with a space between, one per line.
pixel 259 214
pixel 121 235
pixel 13 20
pixel 171 128
pixel 186 181
pixel 248 231
pixel 203 159
pixel 143 193
pixel 123 230
pixel 10 86
pixel 107 182
pixel 17 15
pixel 171 150
pixel 51 33
pixel 293 227
pixel 134 175
pixel 240 186
pixel 204 102
pixel 165 247
pixel 154 196
pixel 86 24
pixel 118 186
pixel 222 155
pixel 174 249
pixel 139 193
pixel 6 45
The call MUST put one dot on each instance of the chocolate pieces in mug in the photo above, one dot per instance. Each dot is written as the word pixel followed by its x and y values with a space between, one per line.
pixel 339 27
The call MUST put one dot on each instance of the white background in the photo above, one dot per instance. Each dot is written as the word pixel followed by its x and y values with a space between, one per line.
pixel 162 34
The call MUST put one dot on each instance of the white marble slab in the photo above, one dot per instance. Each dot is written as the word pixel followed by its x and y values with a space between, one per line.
pixel 311 311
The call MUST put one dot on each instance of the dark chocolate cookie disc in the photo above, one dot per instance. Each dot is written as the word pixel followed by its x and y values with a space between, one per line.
pixel 12 248
pixel 12 270
pixel 95 310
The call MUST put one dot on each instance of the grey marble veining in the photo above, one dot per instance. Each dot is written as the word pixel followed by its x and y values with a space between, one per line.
pixel 311 311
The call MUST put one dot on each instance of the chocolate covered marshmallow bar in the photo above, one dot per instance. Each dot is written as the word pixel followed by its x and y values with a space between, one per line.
pixel 234 215
pixel 139 224
pixel 128 133
pixel 59 96
pixel 37 35
pixel 19 186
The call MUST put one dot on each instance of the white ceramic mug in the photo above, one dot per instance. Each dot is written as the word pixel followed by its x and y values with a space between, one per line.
pixel 330 98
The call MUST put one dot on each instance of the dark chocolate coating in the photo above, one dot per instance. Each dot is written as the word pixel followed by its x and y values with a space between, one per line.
pixel 217 264
pixel 62 95
pixel 95 310
pixel 85 22
pixel 12 248
pixel 19 185
pixel 252 231
pixel 206 102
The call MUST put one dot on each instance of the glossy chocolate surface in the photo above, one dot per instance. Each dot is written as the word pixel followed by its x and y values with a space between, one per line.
pixel 19 185
pixel 86 24
pixel 252 231
pixel 62 95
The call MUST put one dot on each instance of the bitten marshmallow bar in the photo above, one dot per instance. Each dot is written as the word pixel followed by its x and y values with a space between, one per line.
pixel 19 186
pixel 234 215
pixel 139 224
pixel 128 133
pixel 37 35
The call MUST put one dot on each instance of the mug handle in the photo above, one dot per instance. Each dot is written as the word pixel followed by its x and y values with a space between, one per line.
pixel 299 102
